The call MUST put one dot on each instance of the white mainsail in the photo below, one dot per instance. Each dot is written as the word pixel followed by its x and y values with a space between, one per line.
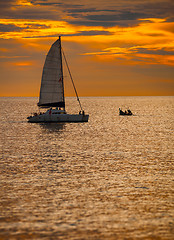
pixel 52 89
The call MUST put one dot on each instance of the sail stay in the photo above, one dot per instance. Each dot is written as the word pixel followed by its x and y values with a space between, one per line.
pixel 52 89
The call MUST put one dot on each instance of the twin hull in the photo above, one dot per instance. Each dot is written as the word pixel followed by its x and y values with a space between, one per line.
pixel 59 118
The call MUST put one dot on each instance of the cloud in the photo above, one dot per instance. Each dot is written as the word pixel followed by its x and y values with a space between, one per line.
pixel 123 24
pixel 97 23
pixel 161 9
pixel 14 28
pixel 116 17
pixel 116 40
pixel 120 14
pixel 45 3
pixel 102 13
pixel 137 54
pixel 80 33
pixel 162 51
pixel 7 4
pixel 9 28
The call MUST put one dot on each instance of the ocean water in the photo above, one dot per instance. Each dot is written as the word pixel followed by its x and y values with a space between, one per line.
pixel 110 178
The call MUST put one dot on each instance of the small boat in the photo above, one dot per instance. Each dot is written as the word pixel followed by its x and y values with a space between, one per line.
pixel 52 90
pixel 125 113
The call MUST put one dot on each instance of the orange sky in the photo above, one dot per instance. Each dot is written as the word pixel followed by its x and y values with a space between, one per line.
pixel 114 48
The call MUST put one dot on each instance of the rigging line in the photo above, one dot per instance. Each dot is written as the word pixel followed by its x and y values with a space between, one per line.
pixel 72 80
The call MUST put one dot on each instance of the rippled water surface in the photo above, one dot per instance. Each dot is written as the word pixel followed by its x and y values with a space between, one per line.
pixel 110 178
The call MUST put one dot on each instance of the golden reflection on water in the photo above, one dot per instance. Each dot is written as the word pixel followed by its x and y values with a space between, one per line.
pixel 110 178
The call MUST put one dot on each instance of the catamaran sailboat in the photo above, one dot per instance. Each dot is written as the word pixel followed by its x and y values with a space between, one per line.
pixel 52 90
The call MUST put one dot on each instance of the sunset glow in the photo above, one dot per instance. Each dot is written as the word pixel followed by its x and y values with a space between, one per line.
pixel 112 43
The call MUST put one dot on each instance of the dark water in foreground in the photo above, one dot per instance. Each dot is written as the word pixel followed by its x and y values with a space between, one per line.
pixel 110 178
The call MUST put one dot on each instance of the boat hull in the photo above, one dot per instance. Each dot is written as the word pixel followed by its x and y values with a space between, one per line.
pixel 125 114
pixel 58 118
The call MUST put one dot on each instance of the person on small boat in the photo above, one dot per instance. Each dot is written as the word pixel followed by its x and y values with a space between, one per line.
pixel 129 112
pixel 121 112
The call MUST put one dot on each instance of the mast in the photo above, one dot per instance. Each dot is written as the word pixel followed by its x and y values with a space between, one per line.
pixel 61 69
pixel 72 81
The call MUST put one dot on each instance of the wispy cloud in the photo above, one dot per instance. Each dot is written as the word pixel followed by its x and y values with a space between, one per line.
pixel 128 43
pixel 107 33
